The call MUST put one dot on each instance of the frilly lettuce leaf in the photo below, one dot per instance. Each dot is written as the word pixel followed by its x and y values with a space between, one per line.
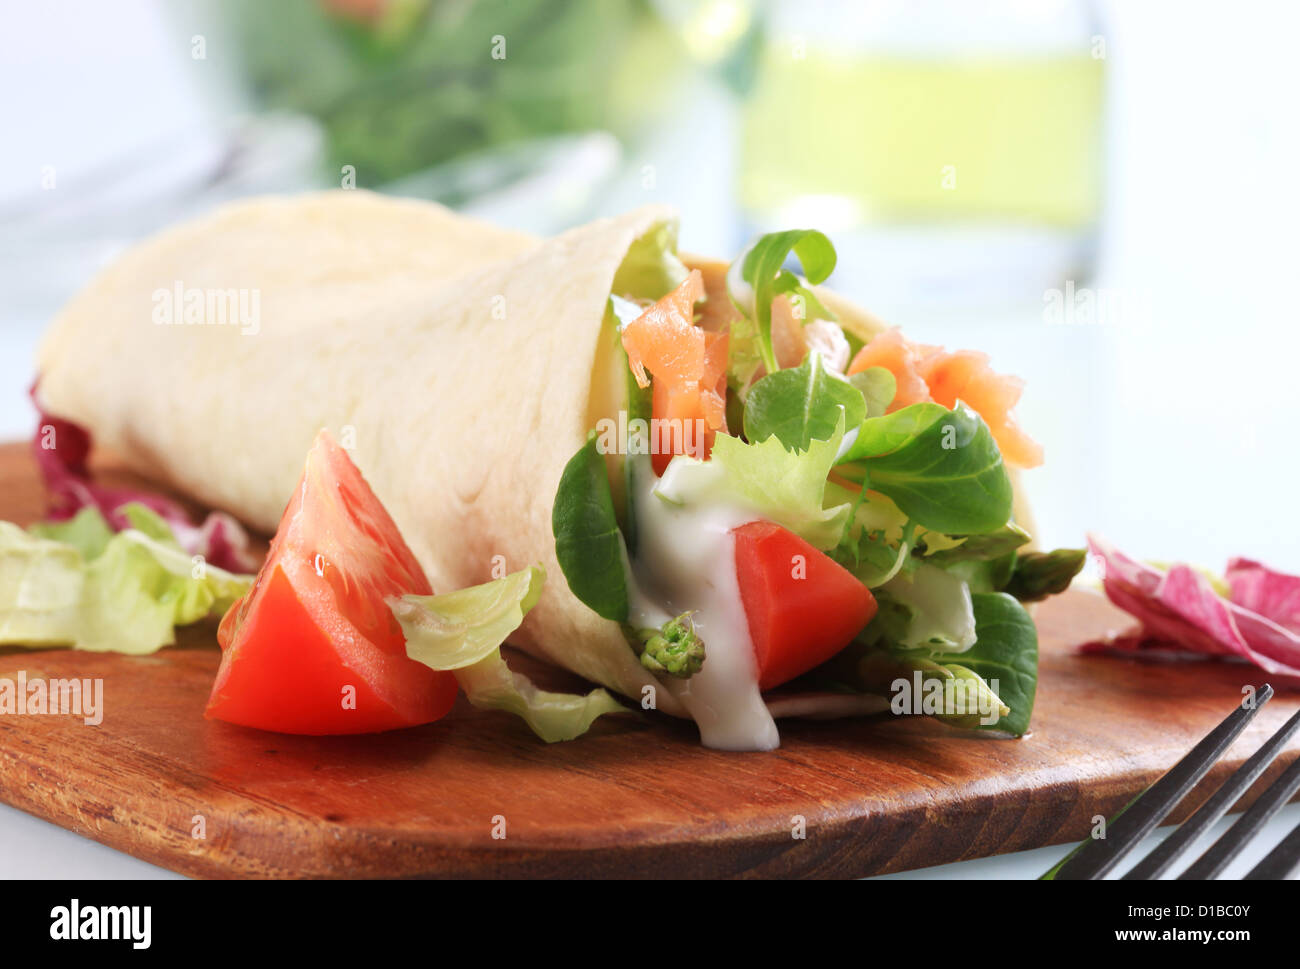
pixel 785 487
pixel 87 531
pixel 462 631
pixel 458 629
pixel 651 267
pixel 67 584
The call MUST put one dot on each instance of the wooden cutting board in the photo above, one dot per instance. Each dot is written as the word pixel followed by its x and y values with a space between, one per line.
pixel 637 796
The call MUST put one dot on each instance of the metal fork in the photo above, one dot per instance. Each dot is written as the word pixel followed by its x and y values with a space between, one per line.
pixel 1094 858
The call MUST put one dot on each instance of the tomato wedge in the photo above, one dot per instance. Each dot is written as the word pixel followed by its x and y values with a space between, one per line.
pixel 803 607
pixel 689 366
pixel 313 648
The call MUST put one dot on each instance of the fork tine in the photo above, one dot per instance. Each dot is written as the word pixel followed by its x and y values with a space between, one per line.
pixel 1172 848
pixel 1221 853
pixel 1281 862
pixel 1096 857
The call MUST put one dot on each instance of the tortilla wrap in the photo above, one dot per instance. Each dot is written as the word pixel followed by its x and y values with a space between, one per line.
pixel 455 360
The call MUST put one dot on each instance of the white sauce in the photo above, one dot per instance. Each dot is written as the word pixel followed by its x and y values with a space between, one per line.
pixel 685 560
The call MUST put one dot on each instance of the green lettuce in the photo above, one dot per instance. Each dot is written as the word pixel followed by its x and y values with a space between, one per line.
pixel 942 617
pixel 462 631
pixel 802 404
pixel 941 467
pixel 878 387
pixel 67 584
pixel 1000 670
pixel 88 532
pixel 588 543
pixel 651 267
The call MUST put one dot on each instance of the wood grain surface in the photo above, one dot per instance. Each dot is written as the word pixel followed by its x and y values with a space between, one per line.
pixel 637 796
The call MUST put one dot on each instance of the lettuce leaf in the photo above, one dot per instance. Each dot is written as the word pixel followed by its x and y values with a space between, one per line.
pixel 942 616
pixel 1001 666
pixel 802 404
pixel 588 543
pixel 941 467
pixel 87 531
pixel 75 583
pixel 878 387
pixel 462 631
pixel 651 267
pixel 41 583
pixel 785 487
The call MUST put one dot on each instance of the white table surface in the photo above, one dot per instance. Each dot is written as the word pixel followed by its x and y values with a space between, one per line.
pixel 32 848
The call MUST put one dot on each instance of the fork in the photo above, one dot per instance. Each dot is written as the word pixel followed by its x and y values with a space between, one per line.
pixel 1096 857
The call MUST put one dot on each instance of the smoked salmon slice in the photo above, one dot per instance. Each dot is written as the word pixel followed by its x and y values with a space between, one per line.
pixel 932 373
pixel 689 367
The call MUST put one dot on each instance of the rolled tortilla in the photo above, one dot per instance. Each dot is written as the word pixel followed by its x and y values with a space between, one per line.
pixel 454 360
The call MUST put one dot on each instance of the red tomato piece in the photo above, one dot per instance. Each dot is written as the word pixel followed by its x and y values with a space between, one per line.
pixel 313 648
pixel 803 607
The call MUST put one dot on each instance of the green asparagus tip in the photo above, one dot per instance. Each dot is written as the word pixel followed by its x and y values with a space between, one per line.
pixel 673 650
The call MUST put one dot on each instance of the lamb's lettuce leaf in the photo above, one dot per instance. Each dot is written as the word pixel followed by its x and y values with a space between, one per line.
pixel 1005 653
pixel 878 387
pixel 588 543
pixel 1000 670
pixel 462 631
pixel 941 467
pixel 889 432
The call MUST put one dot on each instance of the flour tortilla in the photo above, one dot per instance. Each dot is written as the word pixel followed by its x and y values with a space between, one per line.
pixel 454 359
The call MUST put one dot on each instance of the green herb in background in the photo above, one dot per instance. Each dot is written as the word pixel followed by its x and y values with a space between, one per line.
pixel 406 84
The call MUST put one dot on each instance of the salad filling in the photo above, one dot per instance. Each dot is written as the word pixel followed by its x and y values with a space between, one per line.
pixel 747 402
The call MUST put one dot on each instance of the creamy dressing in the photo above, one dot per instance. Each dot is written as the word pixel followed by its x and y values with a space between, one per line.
pixel 685 560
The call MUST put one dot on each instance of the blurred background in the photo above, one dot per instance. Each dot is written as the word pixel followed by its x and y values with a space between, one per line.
pixel 1102 195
